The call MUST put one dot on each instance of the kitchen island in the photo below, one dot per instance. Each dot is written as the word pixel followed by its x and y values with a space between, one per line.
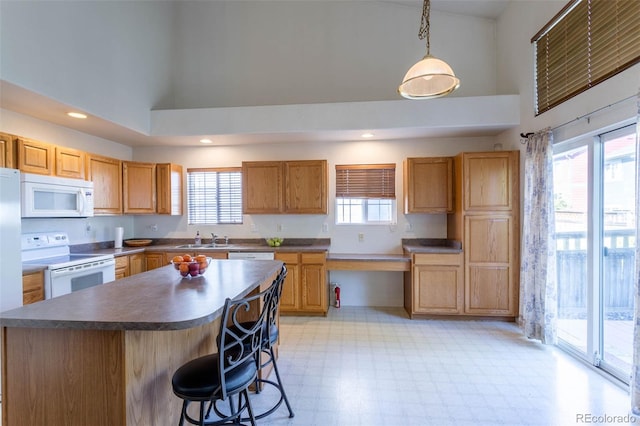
pixel 105 355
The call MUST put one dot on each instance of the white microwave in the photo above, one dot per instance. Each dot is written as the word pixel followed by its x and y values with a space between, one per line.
pixel 51 196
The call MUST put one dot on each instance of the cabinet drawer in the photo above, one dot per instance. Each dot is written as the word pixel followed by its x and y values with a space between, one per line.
pixel 438 259
pixel 291 258
pixel 313 257
pixel 122 262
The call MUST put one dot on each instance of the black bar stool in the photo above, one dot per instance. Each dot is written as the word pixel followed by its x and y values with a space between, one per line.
pixel 230 372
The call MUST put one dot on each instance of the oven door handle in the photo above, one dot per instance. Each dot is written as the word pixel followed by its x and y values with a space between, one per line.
pixel 83 268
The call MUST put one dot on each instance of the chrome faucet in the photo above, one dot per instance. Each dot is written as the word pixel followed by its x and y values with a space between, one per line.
pixel 215 238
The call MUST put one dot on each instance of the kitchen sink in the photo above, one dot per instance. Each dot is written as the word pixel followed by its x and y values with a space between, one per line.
pixel 191 246
pixel 221 246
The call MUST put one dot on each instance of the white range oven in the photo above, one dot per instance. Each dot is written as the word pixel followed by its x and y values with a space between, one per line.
pixel 65 272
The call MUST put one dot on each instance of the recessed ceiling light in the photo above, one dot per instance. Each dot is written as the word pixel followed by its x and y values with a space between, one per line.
pixel 206 141
pixel 367 135
pixel 77 115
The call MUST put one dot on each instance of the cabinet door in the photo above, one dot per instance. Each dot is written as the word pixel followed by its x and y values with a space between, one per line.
pixel 313 283
pixel 490 180
pixel 262 186
pixel 70 163
pixel 428 185
pixel 155 260
pixel 7 151
pixel 139 187
pixel 438 284
pixel 122 267
pixel 136 263
pixel 290 299
pixel 106 175
pixel 491 265
pixel 32 287
pixel 169 189
pixel 35 157
pixel 306 187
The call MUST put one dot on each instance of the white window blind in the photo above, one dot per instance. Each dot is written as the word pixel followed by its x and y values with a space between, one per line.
pixel 214 196
pixel 366 181
pixel 587 42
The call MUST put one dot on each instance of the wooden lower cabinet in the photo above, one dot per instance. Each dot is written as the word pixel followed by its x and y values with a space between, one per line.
pixel 435 284
pixel 490 277
pixel 290 299
pixel 122 267
pixel 137 263
pixel 32 287
pixel 130 265
pixel 155 260
pixel 305 289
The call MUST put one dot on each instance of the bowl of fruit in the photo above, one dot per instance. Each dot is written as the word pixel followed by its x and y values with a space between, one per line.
pixel 275 241
pixel 191 266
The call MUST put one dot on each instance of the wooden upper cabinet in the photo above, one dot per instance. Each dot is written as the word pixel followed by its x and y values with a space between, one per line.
pixel 35 157
pixel 106 174
pixel 305 187
pixel 169 189
pixel 292 187
pixel 262 187
pixel 428 185
pixel 139 187
pixel 7 151
pixel 490 180
pixel 70 163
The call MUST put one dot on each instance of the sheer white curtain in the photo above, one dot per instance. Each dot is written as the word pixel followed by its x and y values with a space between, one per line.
pixel 538 289
pixel 635 368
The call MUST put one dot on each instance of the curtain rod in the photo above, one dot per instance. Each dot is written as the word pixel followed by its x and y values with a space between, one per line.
pixel 526 135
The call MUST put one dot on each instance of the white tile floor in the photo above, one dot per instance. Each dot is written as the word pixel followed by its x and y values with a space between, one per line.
pixel 374 366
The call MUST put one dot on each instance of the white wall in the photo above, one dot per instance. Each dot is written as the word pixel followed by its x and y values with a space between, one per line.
pixel 241 53
pixel 515 72
pixel 344 238
pixel 357 288
pixel 80 231
pixel 111 59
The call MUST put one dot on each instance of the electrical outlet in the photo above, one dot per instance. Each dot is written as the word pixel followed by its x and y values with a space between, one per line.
pixel 361 237
pixel 153 227
pixel 279 227
pixel 254 228
pixel 325 227
pixel 407 227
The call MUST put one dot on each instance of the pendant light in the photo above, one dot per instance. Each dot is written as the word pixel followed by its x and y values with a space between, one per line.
pixel 431 77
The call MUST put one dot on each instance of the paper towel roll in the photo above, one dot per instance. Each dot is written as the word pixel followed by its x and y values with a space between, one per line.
pixel 118 238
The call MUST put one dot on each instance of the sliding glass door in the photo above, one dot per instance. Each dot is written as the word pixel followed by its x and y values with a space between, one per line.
pixel 594 185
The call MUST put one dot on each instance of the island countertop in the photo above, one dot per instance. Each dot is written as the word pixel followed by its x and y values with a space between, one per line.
pixel 155 300
pixel 108 352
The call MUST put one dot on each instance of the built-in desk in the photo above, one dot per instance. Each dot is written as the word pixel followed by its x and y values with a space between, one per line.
pixel 368 262
pixel 105 355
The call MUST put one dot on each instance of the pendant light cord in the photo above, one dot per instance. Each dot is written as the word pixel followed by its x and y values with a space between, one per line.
pixel 424 24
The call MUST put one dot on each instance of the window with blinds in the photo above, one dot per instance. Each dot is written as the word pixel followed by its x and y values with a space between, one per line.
pixel 214 196
pixel 366 194
pixel 583 45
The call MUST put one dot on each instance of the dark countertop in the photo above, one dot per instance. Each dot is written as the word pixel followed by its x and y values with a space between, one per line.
pixel 155 300
pixel 367 257
pixel 431 245
pixel 235 245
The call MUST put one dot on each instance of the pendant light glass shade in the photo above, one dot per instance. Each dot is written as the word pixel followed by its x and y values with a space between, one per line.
pixel 427 79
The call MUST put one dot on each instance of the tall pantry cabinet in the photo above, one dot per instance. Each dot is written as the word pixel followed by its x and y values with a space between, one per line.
pixel 486 220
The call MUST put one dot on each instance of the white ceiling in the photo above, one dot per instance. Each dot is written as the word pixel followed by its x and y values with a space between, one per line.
pixel 23 101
